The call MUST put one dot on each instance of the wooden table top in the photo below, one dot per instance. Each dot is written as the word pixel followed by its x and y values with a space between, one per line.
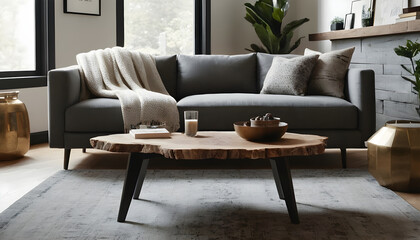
pixel 213 145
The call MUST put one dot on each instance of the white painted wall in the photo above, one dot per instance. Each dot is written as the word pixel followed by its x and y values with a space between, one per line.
pixel 230 32
pixel 75 33
pixel 320 13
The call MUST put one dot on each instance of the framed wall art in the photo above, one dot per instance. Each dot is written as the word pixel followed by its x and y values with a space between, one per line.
pixel 386 11
pixel 349 21
pixel 361 9
pixel 86 7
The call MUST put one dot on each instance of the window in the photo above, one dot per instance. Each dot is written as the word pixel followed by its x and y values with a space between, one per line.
pixel 161 27
pixel 23 42
pixel 17 31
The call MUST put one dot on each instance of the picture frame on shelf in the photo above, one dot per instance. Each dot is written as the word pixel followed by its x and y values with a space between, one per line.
pixel 387 11
pixel 85 7
pixel 361 9
pixel 349 21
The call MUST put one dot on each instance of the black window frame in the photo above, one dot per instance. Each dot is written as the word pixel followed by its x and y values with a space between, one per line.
pixel 201 28
pixel 44 51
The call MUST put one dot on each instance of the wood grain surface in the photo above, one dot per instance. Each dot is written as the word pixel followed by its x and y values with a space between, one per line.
pixel 217 145
pixel 374 31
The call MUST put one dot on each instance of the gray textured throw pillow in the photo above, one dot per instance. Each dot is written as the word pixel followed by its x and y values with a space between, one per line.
pixel 289 76
pixel 328 75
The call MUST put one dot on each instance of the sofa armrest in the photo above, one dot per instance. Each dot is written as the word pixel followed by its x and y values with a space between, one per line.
pixel 361 92
pixel 63 91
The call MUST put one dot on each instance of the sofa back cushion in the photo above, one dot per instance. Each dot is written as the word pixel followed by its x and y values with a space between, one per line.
pixel 166 66
pixel 264 62
pixel 200 74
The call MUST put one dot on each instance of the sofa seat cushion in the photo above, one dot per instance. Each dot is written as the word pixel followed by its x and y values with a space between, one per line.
pixel 220 111
pixel 95 115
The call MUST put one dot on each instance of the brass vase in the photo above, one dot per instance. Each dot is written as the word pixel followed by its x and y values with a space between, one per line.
pixel 14 126
pixel 394 156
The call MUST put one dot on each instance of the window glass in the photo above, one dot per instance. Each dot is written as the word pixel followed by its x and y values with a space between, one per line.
pixel 17 35
pixel 159 27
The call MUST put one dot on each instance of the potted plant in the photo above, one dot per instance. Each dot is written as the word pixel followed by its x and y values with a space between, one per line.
pixel 410 50
pixel 337 24
pixel 367 17
pixel 266 16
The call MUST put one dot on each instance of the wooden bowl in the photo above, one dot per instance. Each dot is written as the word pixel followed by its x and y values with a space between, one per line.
pixel 260 133
pixel 265 123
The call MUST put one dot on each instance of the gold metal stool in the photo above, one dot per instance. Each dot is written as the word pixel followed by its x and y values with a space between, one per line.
pixel 14 126
pixel 394 155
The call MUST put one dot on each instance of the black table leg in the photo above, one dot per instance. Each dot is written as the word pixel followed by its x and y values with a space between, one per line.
pixel 133 168
pixel 277 178
pixel 281 167
pixel 140 179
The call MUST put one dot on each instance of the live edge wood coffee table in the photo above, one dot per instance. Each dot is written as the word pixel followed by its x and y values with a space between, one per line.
pixel 210 145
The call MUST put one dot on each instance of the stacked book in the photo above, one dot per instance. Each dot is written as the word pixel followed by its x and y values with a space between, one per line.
pixel 150 133
pixel 409 14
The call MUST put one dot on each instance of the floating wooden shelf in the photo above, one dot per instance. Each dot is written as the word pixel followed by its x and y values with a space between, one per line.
pixel 391 29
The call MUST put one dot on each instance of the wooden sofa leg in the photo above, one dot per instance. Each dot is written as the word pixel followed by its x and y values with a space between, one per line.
pixel 84 150
pixel 343 157
pixel 66 158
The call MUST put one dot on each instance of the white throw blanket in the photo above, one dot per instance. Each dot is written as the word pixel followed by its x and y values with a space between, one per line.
pixel 132 77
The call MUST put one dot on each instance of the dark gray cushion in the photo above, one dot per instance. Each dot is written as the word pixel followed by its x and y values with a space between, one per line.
pixel 166 66
pixel 216 74
pixel 289 76
pixel 264 62
pixel 220 111
pixel 95 115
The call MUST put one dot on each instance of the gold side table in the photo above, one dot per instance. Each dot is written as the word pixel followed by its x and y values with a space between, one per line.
pixel 394 155
pixel 14 126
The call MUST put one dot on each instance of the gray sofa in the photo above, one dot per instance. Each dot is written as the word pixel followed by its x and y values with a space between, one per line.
pixel 224 89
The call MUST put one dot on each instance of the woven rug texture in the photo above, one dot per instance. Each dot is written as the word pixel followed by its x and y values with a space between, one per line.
pixel 211 204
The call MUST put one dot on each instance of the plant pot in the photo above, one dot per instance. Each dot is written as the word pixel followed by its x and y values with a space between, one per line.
pixel 337 26
pixel 367 22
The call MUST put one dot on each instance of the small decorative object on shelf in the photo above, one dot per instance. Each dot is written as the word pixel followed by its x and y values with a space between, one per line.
pixel 14 126
pixel 367 17
pixel 393 155
pixel 410 51
pixel 349 21
pixel 337 24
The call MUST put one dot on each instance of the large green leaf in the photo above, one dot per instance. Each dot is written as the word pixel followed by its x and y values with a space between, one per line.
pixel 285 42
pixel 274 41
pixel 296 45
pixel 293 25
pixel 257 48
pixel 407 69
pixel 408 79
pixel 410 50
pixel 253 12
pixel 263 35
pixel 279 11
pixel 264 11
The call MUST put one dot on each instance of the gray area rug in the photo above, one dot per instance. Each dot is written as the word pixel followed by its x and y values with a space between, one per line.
pixel 211 204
